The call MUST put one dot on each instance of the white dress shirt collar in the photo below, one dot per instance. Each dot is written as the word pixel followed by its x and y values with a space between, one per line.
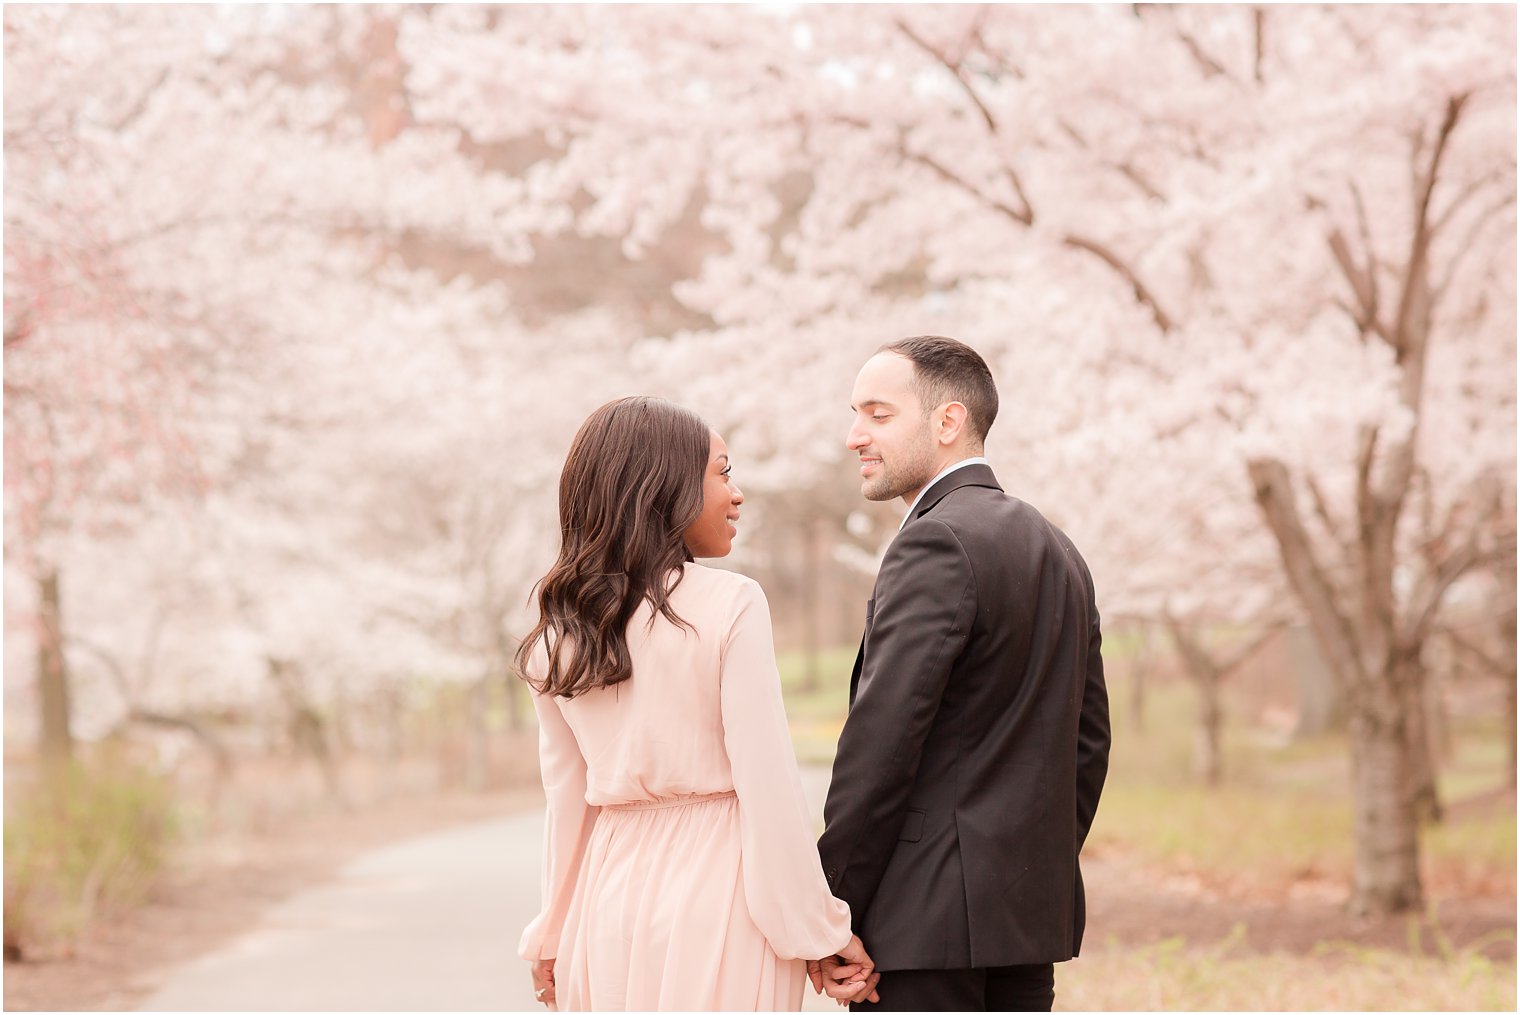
pixel 978 460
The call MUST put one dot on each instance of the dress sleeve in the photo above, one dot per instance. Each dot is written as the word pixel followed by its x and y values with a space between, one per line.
pixel 567 826
pixel 783 880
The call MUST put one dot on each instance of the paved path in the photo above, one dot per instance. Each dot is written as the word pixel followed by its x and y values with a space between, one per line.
pixel 430 924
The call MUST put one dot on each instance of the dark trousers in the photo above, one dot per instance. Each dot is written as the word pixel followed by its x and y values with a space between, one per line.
pixel 1001 988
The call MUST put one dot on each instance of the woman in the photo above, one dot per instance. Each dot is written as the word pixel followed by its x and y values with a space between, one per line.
pixel 679 868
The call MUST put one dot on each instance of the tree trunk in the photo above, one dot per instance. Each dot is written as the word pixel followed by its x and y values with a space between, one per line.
pixel 477 756
pixel 1509 727
pixel 1140 673
pixel 1424 795
pixel 1210 765
pixel 309 732
pixel 1387 876
pixel 52 675
pixel 1507 576
pixel 1205 674
pixel 811 576
pixel 516 714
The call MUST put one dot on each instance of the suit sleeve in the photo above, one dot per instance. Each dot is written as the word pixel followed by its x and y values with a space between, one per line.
pixel 787 895
pixel 567 826
pixel 925 605
pixel 1093 734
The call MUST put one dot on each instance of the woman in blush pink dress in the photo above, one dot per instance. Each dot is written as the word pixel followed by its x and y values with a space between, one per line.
pixel 680 871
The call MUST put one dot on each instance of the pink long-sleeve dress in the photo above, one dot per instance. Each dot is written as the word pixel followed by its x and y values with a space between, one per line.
pixel 680 871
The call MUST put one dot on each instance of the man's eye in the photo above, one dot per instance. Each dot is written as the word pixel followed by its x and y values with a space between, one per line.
pixel 880 416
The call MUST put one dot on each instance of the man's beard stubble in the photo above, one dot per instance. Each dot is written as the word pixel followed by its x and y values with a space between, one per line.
pixel 903 474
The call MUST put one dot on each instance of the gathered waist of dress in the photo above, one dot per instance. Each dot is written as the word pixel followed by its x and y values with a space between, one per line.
pixel 671 801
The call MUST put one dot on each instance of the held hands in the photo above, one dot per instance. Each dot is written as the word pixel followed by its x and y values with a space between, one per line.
pixel 848 976
pixel 543 981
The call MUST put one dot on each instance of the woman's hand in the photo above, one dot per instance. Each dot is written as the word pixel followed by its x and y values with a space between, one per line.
pixel 848 976
pixel 543 981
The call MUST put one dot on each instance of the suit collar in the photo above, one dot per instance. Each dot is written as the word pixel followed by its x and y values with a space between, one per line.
pixel 971 475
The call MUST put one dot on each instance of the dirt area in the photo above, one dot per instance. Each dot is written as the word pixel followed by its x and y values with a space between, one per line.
pixel 218 890
pixel 1130 904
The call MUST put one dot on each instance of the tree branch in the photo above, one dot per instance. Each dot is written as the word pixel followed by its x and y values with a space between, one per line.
pixel 1431 586
pixel 1259 26
pixel 1322 512
pixel 1142 292
pixel 958 71
pixel 1419 244
pixel 1210 66
pixel 1503 667
pixel 1468 243
pixel 1235 659
pixel 1124 169
pixel 929 162
pixel 1307 575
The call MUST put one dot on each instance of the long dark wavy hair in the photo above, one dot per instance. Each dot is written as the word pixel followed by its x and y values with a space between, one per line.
pixel 631 486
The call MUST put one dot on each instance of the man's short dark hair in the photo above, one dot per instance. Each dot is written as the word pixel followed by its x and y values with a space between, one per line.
pixel 945 370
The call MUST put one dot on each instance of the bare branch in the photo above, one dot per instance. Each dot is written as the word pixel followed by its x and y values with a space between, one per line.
pixel 998 60
pixel 1124 169
pixel 1466 194
pixel 112 665
pixel 1467 245
pixel 1142 292
pixel 1362 287
pixel 1306 573
pixel 1211 67
pixel 1369 249
pixel 954 67
pixel 957 70
pixel 1230 663
pixel 1431 588
pixel 1445 569
pixel 1419 248
pixel 1259 24
pixel 929 162
pixel 1499 666
pixel 1322 512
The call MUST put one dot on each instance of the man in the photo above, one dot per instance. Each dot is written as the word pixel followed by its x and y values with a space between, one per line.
pixel 977 742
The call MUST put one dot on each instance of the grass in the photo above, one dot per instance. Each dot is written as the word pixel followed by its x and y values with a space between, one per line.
pixel 816 712
pixel 84 841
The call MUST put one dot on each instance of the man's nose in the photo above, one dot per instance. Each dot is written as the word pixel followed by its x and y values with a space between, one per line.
pixel 856 439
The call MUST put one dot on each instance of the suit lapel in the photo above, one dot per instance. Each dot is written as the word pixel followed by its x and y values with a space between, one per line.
pixel 971 475
pixel 860 657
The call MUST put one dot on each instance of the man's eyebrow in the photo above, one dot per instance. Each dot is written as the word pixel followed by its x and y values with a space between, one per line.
pixel 873 401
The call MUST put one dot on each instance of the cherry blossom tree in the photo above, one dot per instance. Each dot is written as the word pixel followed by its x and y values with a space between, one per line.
pixel 273 320
pixel 1287 235
pixel 202 234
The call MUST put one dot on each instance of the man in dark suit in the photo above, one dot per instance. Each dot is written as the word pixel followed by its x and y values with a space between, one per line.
pixel 977 742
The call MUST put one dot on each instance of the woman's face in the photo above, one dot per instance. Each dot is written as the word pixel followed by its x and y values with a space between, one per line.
pixel 712 534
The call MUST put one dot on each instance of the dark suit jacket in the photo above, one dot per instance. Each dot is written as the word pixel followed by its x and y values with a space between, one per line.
pixel 976 747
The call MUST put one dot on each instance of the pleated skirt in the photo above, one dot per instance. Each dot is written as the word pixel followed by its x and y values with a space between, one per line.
pixel 659 921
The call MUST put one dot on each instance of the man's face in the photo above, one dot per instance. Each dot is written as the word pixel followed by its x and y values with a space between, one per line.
pixel 891 435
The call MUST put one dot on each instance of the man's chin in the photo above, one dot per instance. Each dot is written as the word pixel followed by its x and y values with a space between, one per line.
pixel 876 492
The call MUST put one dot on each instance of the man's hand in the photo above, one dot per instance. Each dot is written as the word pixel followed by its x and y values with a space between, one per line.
pixel 543 981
